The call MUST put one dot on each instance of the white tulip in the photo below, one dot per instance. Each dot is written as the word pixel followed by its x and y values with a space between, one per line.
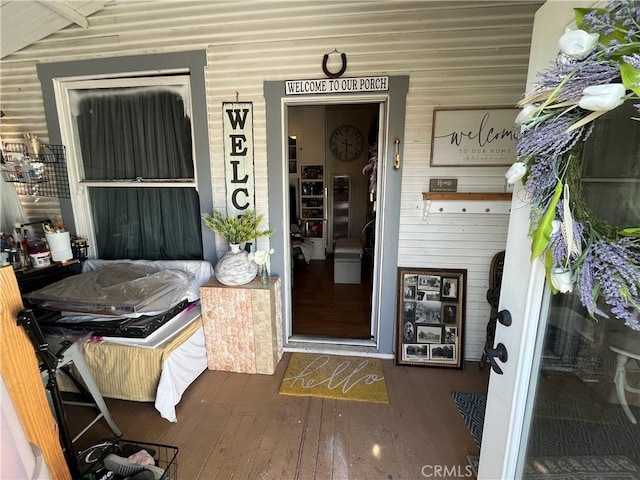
pixel 603 97
pixel 578 44
pixel 526 114
pixel 515 172
pixel 561 279
pixel 556 225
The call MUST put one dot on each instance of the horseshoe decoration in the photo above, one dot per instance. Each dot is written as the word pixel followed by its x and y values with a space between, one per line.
pixel 338 74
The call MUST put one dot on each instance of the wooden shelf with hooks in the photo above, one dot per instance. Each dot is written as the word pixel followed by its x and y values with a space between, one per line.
pixel 466 202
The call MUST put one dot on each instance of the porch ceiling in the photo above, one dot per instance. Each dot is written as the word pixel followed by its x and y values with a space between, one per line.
pixel 23 22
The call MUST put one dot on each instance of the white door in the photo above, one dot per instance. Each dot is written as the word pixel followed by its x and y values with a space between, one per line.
pixel 562 370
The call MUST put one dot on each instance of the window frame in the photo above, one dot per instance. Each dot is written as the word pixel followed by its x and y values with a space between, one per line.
pixel 189 63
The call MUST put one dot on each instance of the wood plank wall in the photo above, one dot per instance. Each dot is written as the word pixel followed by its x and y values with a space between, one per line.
pixel 463 53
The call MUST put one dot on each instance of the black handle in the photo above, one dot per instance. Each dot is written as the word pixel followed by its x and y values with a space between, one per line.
pixel 500 352
pixel 504 317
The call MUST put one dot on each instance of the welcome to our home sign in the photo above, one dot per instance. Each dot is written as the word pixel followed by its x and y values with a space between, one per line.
pixel 237 127
pixel 473 137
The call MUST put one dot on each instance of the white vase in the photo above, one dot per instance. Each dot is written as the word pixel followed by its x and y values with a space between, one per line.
pixel 235 268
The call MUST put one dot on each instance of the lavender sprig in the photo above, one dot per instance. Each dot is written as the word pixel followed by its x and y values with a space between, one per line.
pixel 603 23
pixel 627 13
pixel 548 140
pixel 633 60
pixel 612 270
pixel 541 180
pixel 558 249
pixel 581 75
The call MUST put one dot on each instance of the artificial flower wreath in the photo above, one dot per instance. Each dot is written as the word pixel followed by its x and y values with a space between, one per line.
pixel 597 71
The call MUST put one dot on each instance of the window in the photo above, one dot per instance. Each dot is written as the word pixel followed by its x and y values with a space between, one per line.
pixel 611 188
pixel 135 158
pixel 140 176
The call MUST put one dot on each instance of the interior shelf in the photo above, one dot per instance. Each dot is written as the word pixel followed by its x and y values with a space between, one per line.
pixel 466 203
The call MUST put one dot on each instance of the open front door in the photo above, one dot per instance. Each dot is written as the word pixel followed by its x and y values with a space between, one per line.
pixel 523 285
pixel 560 397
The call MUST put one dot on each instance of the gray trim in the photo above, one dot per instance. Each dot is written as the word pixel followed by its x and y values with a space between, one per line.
pixel 398 89
pixel 274 92
pixel 195 61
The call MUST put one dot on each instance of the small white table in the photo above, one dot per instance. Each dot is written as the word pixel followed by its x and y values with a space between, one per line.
pixel 72 354
pixel 622 386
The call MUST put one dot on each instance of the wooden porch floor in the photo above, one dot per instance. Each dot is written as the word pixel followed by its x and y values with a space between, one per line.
pixel 237 426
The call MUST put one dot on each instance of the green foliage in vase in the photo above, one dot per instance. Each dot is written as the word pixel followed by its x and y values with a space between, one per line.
pixel 236 229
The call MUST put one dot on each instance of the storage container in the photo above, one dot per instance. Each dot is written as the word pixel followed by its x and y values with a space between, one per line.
pixel 346 268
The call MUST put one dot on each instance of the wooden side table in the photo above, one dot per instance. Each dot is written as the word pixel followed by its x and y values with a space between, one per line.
pixel 242 326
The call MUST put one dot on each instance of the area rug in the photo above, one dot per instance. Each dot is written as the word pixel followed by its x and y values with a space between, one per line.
pixel 331 376
pixel 472 407
pixel 563 396
pixel 552 437
pixel 590 467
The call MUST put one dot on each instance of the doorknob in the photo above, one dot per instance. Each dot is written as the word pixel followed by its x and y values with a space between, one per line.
pixel 500 352
pixel 504 317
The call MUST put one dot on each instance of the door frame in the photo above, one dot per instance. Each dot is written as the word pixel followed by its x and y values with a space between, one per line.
pixel 380 219
pixel 387 218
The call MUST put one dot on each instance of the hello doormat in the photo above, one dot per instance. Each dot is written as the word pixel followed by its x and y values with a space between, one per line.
pixel 358 379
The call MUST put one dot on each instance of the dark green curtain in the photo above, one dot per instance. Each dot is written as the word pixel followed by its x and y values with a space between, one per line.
pixel 150 223
pixel 130 134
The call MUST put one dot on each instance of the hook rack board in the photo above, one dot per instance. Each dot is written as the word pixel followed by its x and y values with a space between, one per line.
pixel 466 203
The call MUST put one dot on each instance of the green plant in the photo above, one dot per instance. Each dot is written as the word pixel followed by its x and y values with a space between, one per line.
pixel 236 229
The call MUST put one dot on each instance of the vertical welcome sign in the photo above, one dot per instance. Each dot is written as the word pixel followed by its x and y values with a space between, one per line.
pixel 237 127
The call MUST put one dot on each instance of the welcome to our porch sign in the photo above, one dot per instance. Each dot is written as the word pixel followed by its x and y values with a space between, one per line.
pixel 336 85
pixel 237 127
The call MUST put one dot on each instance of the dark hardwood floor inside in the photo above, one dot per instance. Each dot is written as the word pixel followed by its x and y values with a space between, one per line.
pixel 237 426
pixel 327 309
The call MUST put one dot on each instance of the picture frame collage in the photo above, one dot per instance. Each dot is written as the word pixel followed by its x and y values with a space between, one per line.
pixel 430 317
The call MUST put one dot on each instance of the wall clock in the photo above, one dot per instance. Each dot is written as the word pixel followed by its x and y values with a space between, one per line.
pixel 346 143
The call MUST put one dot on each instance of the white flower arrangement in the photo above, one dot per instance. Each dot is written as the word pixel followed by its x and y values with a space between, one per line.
pixel 261 257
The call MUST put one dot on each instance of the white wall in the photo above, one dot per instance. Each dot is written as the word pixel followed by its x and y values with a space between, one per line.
pixel 456 54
